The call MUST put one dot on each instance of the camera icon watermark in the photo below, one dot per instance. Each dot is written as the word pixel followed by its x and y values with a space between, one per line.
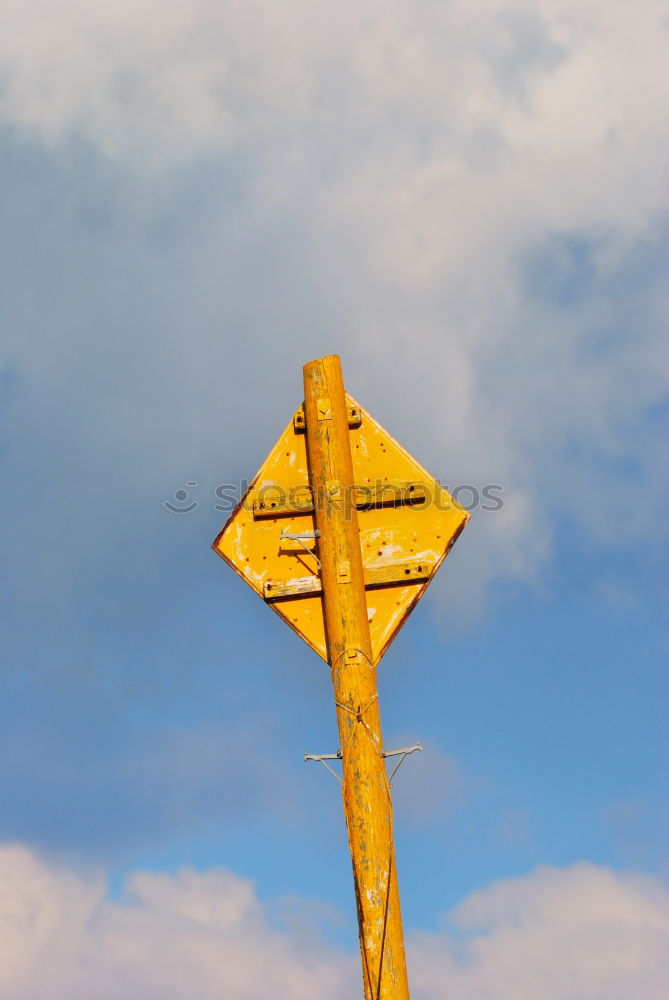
pixel 181 496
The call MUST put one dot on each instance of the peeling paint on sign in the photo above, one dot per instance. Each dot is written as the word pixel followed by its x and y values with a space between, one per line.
pixel 390 533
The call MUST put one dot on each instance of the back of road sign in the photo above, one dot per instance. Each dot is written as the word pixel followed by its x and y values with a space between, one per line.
pixel 407 521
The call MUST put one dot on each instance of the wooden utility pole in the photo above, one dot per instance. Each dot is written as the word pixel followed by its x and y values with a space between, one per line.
pixel 365 786
pixel 294 538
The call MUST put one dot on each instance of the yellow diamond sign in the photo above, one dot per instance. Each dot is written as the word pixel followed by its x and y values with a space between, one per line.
pixel 407 523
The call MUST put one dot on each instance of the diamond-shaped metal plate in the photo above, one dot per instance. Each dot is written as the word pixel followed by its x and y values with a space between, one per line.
pixel 389 535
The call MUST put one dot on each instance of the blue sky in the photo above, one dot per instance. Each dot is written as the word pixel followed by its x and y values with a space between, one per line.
pixel 468 204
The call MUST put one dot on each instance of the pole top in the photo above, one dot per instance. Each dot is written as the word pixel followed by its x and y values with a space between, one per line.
pixel 326 359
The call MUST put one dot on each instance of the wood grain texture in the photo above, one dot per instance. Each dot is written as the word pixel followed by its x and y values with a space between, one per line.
pixel 365 788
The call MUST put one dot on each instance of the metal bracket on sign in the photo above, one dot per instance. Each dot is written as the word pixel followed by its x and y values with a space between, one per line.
pixel 299 536
pixel 353 415
pixel 363 497
pixel 396 574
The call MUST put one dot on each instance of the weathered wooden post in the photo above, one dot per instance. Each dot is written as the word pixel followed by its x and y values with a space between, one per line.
pixel 340 533
pixel 365 786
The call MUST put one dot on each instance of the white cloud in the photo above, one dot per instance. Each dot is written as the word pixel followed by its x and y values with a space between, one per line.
pixel 582 932
pixel 171 936
pixel 424 153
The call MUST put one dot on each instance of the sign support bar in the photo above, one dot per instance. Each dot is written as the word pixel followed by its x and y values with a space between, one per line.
pixel 365 785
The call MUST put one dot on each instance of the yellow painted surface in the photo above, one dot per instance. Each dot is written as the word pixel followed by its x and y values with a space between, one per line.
pixel 376 560
pixel 388 535
pixel 365 786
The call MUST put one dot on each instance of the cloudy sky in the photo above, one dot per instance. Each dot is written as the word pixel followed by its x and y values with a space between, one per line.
pixel 468 202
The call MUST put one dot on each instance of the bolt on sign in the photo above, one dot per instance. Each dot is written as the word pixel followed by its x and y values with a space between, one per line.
pixel 340 533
